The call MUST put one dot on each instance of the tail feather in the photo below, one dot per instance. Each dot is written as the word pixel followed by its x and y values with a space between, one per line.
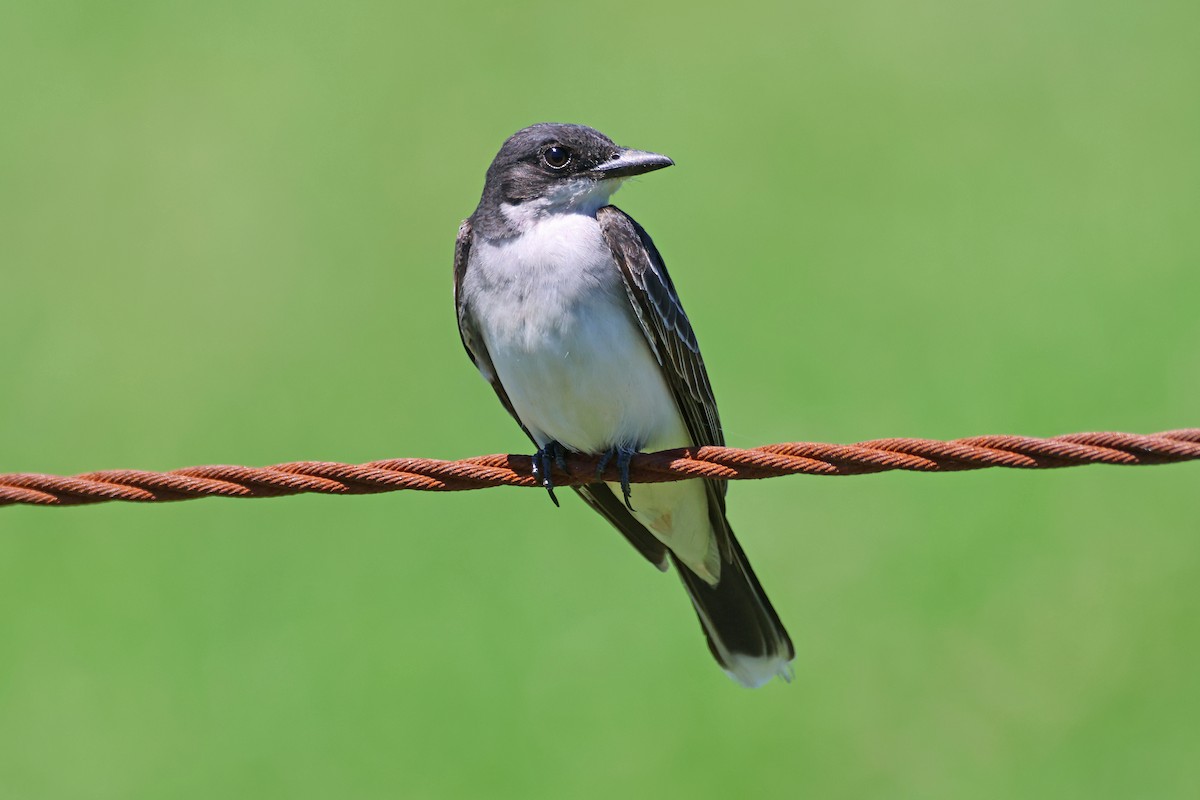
pixel 744 632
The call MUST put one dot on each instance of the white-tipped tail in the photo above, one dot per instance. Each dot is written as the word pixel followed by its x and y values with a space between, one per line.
pixel 744 632
pixel 753 672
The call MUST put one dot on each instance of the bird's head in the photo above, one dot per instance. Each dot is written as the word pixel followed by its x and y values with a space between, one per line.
pixel 559 168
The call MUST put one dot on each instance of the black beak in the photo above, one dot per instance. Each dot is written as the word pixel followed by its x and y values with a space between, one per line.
pixel 626 163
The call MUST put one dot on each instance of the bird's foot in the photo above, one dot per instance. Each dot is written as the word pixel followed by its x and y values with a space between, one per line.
pixel 623 455
pixel 546 458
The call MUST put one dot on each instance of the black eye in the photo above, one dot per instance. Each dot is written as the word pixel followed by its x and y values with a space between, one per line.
pixel 556 156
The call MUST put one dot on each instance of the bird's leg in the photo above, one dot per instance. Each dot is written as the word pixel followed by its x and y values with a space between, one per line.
pixel 560 455
pixel 546 458
pixel 624 456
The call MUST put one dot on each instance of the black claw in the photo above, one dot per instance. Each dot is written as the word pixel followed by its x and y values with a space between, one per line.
pixel 602 464
pixel 624 456
pixel 548 457
pixel 560 455
pixel 542 468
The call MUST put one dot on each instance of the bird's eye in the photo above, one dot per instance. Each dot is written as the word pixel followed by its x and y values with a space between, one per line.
pixel 556 156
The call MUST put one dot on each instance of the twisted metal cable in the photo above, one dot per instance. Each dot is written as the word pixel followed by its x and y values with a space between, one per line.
pixel 726 463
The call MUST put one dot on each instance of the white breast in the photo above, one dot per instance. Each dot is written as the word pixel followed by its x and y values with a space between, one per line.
pixel 553 312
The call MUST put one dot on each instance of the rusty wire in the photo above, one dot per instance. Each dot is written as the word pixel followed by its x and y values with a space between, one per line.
pixel 725 463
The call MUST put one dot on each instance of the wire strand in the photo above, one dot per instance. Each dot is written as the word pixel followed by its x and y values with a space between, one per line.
pixel 483 472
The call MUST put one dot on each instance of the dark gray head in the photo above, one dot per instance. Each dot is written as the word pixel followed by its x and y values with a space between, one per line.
pixel 555 168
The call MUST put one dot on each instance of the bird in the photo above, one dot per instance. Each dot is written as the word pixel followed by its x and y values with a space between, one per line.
pixel 566 308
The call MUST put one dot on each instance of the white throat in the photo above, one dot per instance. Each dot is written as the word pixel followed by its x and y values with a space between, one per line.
pixel 581 196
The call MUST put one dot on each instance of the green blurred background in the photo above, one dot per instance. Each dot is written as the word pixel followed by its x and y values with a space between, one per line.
pixel 226 232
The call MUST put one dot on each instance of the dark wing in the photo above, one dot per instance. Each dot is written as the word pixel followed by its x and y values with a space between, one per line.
pixel 735 614
pixel 659 312
pixel 667 329
pixel 471 339
pixel 596 495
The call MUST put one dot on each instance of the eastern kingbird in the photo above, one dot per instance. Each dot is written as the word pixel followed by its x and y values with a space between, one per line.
pixel 566 308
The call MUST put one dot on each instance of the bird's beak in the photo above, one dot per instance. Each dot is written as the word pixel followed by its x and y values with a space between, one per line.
pixel 627 163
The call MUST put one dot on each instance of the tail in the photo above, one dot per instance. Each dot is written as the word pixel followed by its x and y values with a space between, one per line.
pixel 744 632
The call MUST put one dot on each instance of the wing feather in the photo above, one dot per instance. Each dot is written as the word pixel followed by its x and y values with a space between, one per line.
pixel 467 330
pixel 664 323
